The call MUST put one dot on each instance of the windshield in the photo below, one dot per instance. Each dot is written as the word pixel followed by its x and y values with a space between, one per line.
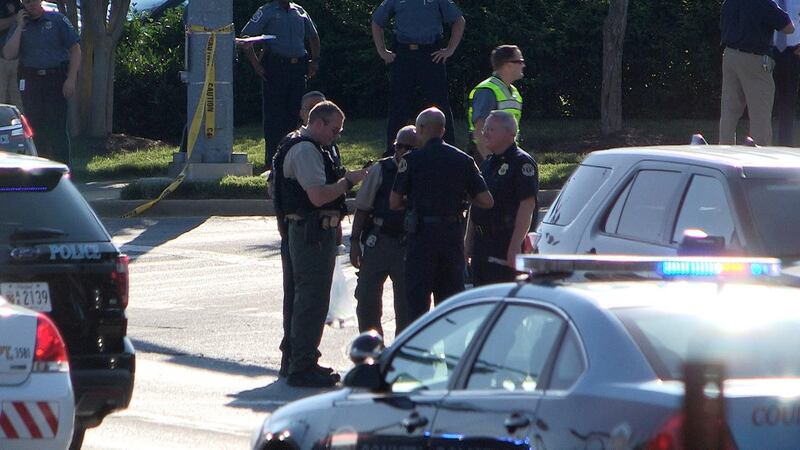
pixel 775 213
pixel 750 343
pixel 33 210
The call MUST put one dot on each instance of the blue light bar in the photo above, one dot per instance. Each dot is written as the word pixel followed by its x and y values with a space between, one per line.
pixel 665 267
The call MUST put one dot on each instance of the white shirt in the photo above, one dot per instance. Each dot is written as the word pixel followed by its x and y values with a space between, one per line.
pixel 793 9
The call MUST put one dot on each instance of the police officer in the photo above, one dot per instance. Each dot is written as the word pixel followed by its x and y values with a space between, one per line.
pixel 283 66
pixel 494 236
pixel 309 100
pixel 495 93
pixel 9 80
pixel 435 180
pixel 418 60
pixel 380 229
pixel 310 196
pixel 50 56
pixel 747 34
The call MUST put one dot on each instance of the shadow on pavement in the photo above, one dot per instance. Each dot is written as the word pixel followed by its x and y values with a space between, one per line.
pixel 272 396
pixel 156 231
pixel 202 362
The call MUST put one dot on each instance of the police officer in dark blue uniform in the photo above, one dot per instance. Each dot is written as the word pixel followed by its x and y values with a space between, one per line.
pixel 50 56
pixel 418 60
pixel 283 66
pixel 435 180
pixel 494 236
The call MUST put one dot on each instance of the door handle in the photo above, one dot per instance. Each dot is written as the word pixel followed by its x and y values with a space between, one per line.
pixel 413 422
pixel 592 251
pixel 516 421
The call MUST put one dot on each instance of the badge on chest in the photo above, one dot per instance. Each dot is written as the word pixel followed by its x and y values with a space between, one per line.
pixel 503 169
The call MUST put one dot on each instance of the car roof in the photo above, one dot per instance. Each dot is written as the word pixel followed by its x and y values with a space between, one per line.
pixel 734 157
pixel 684 294
pixel 17 161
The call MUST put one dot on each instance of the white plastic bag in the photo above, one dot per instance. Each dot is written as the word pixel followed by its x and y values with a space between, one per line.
pixel 341 308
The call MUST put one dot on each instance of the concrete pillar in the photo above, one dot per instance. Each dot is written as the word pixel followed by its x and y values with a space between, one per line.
pixel 212 153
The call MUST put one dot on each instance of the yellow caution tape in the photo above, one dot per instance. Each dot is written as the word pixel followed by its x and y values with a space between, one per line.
pixel 205 107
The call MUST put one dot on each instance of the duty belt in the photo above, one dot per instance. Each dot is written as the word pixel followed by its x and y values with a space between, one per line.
pixel 42 72
pixel 441 219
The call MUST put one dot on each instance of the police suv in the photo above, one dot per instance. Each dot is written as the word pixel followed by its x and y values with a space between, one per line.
pixel 57 258
pixel 586 352
pixel 742 200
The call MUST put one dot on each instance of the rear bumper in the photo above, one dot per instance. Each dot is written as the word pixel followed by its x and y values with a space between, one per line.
pixel 103 384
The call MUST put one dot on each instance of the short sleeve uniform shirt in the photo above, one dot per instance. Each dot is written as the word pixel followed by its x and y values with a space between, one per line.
pixel 291 27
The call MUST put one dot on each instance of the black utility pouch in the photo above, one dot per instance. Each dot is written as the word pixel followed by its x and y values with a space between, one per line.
pixel 411 222
pixel 313 227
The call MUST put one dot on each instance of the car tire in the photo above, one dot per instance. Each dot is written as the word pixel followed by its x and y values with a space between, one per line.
pixel 77 437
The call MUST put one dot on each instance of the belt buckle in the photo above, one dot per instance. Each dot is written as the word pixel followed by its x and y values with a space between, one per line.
pixel 41 72
pixel 294 60
pixel 413 46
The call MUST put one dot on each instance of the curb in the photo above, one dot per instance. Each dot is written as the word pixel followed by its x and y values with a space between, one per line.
pixel 221 207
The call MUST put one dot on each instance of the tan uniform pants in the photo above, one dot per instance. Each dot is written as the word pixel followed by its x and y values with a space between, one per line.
pixel 9 85
pixel 745 83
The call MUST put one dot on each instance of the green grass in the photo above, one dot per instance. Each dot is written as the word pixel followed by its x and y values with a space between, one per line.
pixel 557 145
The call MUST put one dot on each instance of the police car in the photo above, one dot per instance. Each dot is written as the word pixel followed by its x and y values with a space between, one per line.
pixel 643 200
pixel 36 401
pixel 58 259
pixel 16 135
pixel 588 352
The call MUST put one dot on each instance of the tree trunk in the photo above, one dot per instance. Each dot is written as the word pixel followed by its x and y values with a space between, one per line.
pixel 101 29
pixel 611 93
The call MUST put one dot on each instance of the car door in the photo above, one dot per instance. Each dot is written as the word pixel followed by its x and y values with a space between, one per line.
pixel 638 219
pixel 419 371
pixel 705 205
pixel 494 404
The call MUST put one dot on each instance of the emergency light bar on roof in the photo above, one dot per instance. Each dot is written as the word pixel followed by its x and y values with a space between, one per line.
pixel 669 267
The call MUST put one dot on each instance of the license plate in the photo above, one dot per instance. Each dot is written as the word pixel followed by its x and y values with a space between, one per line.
pixel 35 296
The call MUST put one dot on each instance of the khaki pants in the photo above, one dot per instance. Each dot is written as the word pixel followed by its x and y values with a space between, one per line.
pixel 9 85
pixel 745 83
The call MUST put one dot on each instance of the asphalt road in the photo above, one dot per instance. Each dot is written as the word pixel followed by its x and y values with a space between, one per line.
pixel 205 318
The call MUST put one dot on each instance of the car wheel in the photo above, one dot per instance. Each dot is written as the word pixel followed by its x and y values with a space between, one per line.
pixel 77 437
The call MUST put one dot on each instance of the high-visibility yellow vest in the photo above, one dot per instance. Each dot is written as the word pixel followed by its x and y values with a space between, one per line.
pixel 508 98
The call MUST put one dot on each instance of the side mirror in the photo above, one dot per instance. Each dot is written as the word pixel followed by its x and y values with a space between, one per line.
pixel 366 348
pixel 697 243
pixel 366 376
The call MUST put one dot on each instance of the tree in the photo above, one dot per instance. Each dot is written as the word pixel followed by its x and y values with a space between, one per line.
pixel 102 22
pixel 611 90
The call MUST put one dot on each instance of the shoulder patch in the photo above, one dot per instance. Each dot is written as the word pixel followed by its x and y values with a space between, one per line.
pixel 403 166
pixel 257 16
pixel 66 21
pixel 528 170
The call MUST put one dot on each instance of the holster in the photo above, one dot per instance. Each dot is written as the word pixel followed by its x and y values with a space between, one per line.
pixel 313 227
pixel 411 221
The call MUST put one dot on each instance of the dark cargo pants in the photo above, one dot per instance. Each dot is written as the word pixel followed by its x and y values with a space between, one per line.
pixel 312 264
pixel 385 259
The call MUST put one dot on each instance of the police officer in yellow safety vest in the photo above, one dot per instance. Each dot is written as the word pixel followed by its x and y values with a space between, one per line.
pixel 495 93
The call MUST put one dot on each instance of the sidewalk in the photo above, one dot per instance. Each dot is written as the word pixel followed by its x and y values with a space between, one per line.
pixel 104 196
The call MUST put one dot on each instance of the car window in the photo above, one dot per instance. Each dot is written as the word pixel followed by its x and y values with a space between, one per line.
pixel 751 343
pixel 643 206
pixel 705 206
pixel 576 194
pixel 516 351
pixel 569 363
pixel 775 214
pixel 61 209
pixel 428 360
